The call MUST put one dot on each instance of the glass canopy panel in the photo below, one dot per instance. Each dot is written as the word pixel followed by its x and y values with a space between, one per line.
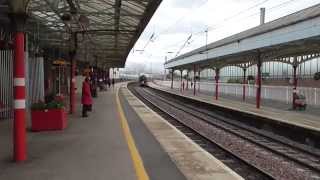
pixel 105 28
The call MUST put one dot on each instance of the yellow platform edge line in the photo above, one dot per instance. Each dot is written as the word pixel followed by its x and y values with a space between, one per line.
pixel 136 158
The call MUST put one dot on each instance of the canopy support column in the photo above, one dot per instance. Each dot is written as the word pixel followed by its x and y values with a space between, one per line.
pixel 194 79
pixel 258 93
pixel 295 84
pixel 181 80
pixel 172 70
pixel 199 80
pixel 187 87
pixel 72 82
pixel 244 84
pixel 72 55
pixel 19 130
pixel 217 82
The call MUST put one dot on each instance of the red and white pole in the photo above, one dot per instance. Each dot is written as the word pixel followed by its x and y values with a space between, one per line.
pixel 19 142
pixel 217 82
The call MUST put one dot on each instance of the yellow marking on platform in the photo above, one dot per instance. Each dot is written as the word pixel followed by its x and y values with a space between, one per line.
pixel 136 158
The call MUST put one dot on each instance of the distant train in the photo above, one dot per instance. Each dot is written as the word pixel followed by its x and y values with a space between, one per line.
pixel 143 80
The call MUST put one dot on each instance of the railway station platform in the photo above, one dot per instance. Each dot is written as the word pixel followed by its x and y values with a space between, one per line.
pixel 305 120
pixel 121 139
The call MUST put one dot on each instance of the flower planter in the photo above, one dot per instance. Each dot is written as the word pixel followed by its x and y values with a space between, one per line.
pixel 47 120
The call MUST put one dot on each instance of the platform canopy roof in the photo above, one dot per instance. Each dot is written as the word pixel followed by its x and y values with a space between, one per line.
pixel 106 30
pixel 295 34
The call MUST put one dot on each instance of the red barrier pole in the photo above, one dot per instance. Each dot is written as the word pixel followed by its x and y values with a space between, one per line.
pixel 19 99
pixel 217 82
pixel 244 84
pixel 258 95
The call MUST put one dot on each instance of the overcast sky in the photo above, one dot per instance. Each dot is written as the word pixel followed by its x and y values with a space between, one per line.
pixel 177 20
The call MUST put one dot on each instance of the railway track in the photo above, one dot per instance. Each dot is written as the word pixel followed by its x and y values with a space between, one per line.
pixel 264 157
pixel 243 168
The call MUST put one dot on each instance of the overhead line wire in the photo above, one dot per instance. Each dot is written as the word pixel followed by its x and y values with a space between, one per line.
pixel 218 26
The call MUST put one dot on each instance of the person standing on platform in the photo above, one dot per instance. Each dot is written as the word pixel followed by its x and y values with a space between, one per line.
pixel 112 83
pixel 86 98
pixel 182 86
pixel 108 82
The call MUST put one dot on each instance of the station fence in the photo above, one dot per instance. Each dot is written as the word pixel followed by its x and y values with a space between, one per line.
pixel 277 93
pixel 6 84
pixel 34 82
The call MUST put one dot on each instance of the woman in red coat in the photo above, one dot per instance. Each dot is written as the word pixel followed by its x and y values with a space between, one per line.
pixel 86 98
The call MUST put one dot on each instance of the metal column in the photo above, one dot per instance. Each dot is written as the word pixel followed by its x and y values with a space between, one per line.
pixel 172 70
pixel 258 95
pixel 181 81
pixel 72 55
pixel 295 84
pixel 199 81
pixel 72 83
pixel 217 82
pixel 187 80
pixel 194 80
pixel 244 84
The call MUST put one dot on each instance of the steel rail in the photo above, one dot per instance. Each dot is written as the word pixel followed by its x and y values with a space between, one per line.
pixel 142 95
pixel 247 128
pixel 298 161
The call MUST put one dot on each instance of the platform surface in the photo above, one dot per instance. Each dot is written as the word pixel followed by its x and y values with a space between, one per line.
pixel 304 120
pixel 90 148
pixel 93 148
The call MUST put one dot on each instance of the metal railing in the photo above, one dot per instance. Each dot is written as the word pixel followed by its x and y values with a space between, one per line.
pixel 34 82
pixel 6 84
pixel 278 93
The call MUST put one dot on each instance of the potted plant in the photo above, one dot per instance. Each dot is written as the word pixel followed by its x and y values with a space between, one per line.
pixel 49 116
